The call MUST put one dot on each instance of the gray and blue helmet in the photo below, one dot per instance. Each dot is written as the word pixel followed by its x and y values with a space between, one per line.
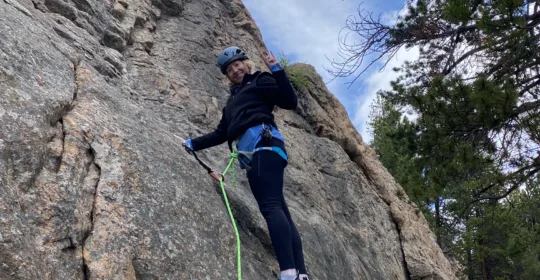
pixel 229 55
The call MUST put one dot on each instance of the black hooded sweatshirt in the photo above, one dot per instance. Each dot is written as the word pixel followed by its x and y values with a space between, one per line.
pixel 250 104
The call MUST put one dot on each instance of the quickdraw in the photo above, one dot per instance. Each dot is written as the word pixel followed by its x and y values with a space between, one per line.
pixel 210 171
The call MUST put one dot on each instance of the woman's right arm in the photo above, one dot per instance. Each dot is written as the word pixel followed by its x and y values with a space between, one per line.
pixel 218 136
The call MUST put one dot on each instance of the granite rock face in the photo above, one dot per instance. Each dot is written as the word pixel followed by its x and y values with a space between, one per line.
pixel 95 185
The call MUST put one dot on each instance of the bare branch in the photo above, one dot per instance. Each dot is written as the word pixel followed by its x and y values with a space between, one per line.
pixel 529 87
pixel 463 57
pixel 510 190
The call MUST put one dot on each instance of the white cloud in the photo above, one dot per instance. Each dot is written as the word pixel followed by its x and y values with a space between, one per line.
pixel 531 8
pixel 389 18
pixel 378 81
pixel 307 30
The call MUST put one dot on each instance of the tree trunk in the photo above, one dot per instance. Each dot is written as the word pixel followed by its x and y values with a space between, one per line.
pixel 470 263
pixel 438 221
pixel 484 267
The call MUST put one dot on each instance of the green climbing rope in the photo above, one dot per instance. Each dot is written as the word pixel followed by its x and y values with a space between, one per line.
pixel 239 259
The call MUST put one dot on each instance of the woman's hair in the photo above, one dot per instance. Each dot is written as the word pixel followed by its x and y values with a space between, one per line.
pixel 250 66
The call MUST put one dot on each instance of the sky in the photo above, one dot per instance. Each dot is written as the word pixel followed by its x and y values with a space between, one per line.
pixel 308 31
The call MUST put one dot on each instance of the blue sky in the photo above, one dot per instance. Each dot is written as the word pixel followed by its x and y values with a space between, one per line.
pixel 308 31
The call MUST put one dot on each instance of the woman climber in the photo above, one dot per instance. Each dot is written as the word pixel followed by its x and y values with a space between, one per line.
pixel 247 124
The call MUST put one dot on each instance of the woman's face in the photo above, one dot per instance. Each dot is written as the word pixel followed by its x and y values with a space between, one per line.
pixel 236 71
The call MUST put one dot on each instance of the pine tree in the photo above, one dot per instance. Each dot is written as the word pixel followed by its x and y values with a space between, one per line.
pixel 471 158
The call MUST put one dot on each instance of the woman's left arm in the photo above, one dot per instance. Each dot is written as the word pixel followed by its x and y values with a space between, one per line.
pixel 287 96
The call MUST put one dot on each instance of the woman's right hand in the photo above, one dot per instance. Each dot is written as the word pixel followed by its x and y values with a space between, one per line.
pixel 186 143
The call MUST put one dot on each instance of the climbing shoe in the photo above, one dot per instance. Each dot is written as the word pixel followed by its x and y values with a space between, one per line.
pixel 292 277
pixel 288 277
pixel 297 278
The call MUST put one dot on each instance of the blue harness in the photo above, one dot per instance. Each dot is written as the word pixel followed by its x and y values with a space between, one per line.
pixel 246 144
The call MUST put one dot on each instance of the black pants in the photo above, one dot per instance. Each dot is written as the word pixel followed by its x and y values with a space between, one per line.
pixel 266 182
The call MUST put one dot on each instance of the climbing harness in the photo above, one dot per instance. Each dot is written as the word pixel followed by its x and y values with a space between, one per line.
pixel 246 145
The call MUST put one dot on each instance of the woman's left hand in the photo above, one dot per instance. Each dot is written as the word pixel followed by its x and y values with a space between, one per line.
pixel 269 59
